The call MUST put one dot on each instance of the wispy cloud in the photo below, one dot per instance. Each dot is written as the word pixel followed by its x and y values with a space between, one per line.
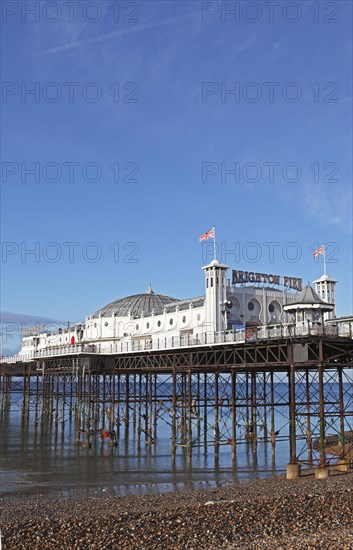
pixel 12 325
pixel 117 34
pixel 247 43
pixel 328 208
pixel 9 317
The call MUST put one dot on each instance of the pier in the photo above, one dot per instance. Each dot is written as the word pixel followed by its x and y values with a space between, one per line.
pixel 230 389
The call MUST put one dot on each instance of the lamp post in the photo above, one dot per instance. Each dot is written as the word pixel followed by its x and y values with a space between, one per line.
pixel 224 305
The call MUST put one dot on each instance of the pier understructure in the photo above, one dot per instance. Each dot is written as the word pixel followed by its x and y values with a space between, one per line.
pixel 294 389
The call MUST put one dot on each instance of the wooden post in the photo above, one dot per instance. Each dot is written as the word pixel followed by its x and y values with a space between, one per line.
pixel 127 404
pixel 198 408
pixel 118 406
pixel 24 390
pixel 189 436
pixel 88 412
pixel 139 414
pixel 234 418
pixel 216 416
pixel 292 427
pixel 308 417
pixel 174 402
pixel 156 407
pixel 265 407
pixel 205 384
pixel 134 401
pixel 254 410
pixel 247 419
pixel 321 410
pixel 36 402
pixel 104 398
pixel 341 405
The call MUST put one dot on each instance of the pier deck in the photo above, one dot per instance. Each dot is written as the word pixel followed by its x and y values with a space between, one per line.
pixel 298 389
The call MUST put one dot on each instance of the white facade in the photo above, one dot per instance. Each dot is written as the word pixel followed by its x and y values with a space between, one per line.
pixel 153 317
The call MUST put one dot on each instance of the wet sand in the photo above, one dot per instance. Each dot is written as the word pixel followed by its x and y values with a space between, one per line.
pixel 270 513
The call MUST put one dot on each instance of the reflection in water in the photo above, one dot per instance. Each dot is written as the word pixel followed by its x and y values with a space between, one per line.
pixel 39 450
pixel 48 460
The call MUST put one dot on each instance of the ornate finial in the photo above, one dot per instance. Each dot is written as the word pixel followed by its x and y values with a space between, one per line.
pixel 149 290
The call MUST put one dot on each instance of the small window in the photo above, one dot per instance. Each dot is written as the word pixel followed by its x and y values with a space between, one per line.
pixel 184 319
pixel 159 324
pixel 271 308
pixel 198 316
pixel 171 321
pixel 207 282
pixel 106 324
pixel 251 306
pixel 147 326
pixel 137 327
pixel 211 281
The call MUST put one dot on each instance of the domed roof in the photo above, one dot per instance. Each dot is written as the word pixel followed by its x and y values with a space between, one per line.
pixel 136 304
pixel 324 278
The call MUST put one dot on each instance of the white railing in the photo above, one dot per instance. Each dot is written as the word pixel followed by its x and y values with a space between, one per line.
pixel 267 332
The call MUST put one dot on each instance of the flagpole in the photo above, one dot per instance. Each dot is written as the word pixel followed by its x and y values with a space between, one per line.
pixel 323 246
pixel 214 243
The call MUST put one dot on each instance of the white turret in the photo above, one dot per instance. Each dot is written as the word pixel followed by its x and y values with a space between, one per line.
pixel 215 287
pixel 325 287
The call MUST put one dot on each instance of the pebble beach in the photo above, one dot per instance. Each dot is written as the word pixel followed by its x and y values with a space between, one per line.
pixel 270 513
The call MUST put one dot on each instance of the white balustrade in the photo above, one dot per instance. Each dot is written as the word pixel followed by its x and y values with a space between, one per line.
pixel 207 338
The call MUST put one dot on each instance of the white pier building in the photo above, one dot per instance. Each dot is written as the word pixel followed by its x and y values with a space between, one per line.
pixel 255 304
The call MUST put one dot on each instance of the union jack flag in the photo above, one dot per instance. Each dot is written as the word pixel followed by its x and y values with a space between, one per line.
pixel 208 235
pixel 318 251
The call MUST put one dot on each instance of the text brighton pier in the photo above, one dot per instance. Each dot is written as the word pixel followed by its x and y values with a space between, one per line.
pixel 251 277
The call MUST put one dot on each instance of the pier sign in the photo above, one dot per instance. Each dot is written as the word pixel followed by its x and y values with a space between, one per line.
pixel 293 283
pixel 32 331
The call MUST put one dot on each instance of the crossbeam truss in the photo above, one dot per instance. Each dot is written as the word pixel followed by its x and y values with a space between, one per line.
pixel 225 396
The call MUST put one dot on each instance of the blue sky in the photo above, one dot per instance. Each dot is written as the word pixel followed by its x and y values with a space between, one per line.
pixel 171 134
